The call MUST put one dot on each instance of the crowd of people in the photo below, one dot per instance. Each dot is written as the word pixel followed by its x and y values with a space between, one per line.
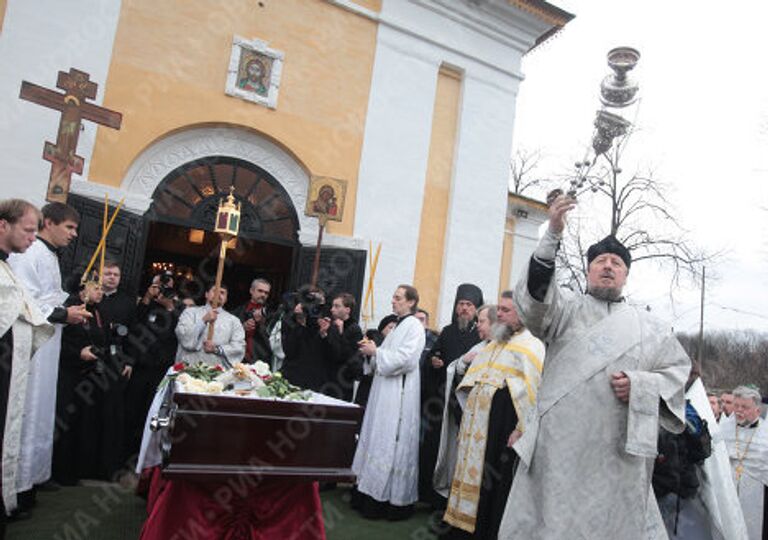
pixel 544 415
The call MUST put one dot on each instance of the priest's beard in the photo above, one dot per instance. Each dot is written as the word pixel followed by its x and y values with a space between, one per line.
pixel 502 333
pixel 607 294
pixel 463 323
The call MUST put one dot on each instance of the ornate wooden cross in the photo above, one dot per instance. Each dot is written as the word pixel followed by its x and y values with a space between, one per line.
pixel 64 161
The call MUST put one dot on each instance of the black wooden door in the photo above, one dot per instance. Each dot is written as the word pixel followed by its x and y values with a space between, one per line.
pixel 341 270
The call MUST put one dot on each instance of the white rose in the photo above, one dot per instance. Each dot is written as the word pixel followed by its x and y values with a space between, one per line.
pixel 261 368
pixel 214 387
pixel 196 385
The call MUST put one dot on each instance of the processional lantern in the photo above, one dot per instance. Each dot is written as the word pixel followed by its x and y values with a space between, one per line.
pixel 228 217
pixel 617 91
pixel 227 225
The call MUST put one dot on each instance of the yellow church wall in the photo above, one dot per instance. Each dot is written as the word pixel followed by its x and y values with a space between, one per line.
pixel 373 5
pixel 169 68
pixel 3 6
pixel 506 255
pixel 437 191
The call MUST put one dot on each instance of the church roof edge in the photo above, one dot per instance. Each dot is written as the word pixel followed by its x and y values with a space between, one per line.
pixel 549 13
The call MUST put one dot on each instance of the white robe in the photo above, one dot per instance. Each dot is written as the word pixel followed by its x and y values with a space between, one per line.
pixel 751 485
pixel 714 513
pixel 191 331
pixel 447 453
pixel 586 457
pixel 38 269
pixel 18 312
pixel 387 457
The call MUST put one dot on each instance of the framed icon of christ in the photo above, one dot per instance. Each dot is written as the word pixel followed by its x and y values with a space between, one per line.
pixel 254 72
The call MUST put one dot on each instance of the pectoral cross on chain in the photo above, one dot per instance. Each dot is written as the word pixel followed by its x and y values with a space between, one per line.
pixel 64 161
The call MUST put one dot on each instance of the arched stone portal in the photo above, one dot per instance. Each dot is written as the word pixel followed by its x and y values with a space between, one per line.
pixel 184 207
pixel 161 205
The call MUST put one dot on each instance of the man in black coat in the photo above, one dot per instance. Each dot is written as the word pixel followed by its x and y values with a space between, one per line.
pixel 454 340
pixel 305 363
pixel 253 314
pixel 153 342
pixel 341 335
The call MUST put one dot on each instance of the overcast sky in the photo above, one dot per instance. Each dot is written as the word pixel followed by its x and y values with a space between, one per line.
pixel 702 126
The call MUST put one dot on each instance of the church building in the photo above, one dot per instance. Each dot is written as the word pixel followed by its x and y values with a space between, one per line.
pixel 393 117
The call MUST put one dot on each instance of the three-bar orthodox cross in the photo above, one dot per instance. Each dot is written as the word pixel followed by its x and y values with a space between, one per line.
pixel 77 88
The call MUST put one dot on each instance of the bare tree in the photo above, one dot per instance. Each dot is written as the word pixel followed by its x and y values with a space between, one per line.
pixel 638 213
pixel 731 358
pixel 523 168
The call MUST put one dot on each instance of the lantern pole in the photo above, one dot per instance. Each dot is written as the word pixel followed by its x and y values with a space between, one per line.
pixel 227 226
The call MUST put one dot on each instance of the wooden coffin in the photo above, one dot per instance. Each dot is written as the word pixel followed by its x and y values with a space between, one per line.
pixel 209 437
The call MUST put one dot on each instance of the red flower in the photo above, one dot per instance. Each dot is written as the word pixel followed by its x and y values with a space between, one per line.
pixel 179 366
pixel 266 378
pixel 218 367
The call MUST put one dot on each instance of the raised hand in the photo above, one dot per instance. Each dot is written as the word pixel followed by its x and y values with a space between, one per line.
pixel 557 213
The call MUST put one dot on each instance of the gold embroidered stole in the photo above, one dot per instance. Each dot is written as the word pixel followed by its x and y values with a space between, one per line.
pixel 513 365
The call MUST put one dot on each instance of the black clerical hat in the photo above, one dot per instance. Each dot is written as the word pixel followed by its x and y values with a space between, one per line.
pixel 609 244
pixel 470 292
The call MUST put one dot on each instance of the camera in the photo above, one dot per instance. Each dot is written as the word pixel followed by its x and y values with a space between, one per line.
pixel 166 285
pixel 259 311
pixel 106 354
pixel 312 303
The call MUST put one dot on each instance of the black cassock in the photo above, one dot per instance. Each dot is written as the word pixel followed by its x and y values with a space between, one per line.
pixel 152 343
pixel 451 344
pixel 88 441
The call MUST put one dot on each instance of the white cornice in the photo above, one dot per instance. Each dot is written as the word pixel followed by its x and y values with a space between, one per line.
pixel 494 19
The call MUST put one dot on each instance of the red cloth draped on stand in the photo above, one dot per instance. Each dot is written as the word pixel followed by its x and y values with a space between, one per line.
pixel 236 509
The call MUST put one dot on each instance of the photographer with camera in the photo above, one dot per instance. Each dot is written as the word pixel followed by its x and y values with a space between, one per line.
pixel 341 335
pixel 153 343
pixel 306 363
pixel 255 319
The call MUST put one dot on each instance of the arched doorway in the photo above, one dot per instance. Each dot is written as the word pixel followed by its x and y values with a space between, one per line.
pixel 183 210
pixel 176 169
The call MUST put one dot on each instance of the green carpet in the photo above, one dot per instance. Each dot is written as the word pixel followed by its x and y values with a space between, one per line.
pixel 102 511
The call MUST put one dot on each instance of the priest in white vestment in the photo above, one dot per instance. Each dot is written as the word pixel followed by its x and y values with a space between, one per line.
pixel 387 457
pixel 746 436
pixel 38 269
pixel 228 343
pixel 23 329
pixel 613 375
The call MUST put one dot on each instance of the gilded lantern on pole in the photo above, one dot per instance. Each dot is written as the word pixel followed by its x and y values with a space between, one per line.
pixel 228 216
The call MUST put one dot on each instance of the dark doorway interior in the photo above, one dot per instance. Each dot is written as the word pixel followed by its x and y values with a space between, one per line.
pixel 194 260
